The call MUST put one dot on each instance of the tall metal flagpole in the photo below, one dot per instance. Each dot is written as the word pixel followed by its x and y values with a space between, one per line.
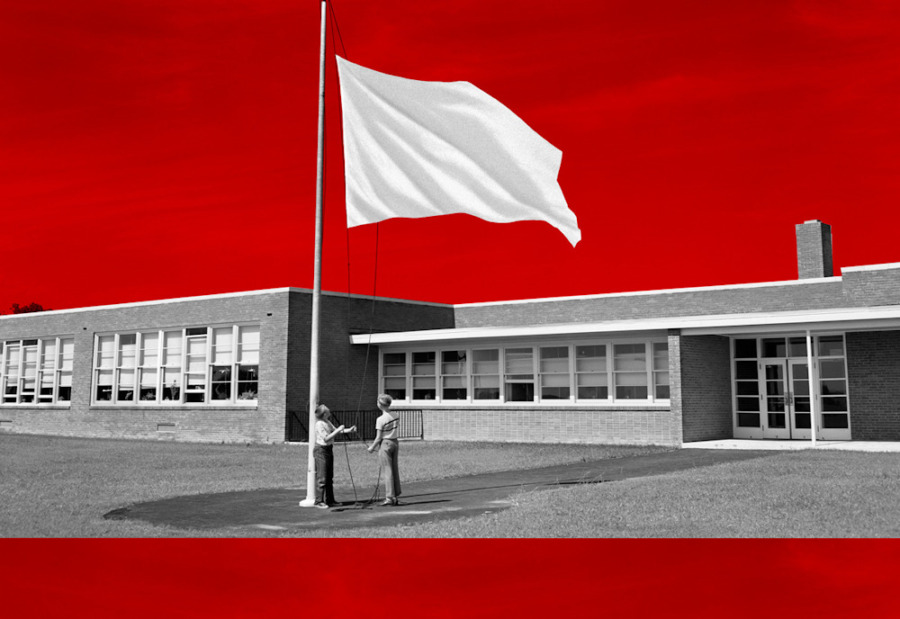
pixel 310 499
pixel 813 386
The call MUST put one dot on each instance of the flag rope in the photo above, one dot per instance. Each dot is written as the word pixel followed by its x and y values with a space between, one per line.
pixel 357 503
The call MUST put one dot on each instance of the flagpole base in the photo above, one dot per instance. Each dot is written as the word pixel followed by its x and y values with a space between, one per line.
pixel 307 502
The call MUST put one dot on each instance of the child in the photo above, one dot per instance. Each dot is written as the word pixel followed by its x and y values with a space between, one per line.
pixel 387 428
pixel 324 456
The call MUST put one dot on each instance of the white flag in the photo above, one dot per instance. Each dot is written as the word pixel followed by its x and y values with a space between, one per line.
pixel 418 149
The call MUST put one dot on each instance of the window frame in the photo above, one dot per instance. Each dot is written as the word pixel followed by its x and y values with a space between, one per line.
pixel 42 370
pixel 536 345
pixel 171 361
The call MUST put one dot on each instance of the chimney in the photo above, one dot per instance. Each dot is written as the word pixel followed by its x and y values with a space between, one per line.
pixel 814 250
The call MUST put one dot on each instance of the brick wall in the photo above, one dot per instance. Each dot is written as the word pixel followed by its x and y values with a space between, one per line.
pixel 675 389
pixel 873 372
pixel 284 318
pixel 263 422
pixel 878 286
pixel 705 388
pixel 698 302
pixel 858 287
pixel 348 373
pixel 814 256
pixel 607 426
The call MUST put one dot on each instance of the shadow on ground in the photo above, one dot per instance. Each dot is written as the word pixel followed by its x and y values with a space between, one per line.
pixel 277 509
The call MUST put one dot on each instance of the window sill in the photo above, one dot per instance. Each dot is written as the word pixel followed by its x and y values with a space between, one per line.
pixel 175 406
pixel 494 404
pixel 10 405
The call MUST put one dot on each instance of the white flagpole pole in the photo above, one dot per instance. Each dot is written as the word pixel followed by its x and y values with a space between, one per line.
pixel 813 386
pixel 310 499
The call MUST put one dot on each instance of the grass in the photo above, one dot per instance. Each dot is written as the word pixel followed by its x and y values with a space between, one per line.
pixel 61 487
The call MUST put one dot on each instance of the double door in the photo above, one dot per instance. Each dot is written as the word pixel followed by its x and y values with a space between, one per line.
pixel 786 402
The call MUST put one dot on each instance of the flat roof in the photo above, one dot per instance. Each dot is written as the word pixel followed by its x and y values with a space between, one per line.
pixel 837 319
pixel 225 295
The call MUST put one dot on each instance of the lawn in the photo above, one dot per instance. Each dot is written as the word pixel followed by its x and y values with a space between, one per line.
pixel 61 487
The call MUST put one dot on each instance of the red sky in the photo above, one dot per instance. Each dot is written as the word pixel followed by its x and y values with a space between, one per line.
pixel 160 148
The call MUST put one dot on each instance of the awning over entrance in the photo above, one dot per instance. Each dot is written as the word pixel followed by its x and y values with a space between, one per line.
pixel 833 319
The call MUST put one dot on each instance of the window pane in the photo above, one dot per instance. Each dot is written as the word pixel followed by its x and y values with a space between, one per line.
pixel 774 347
pixel 592 392
pixel 747 388
pixel 520 392
pixel 486 362
pixel 48 354
pixel 631 393
pixel 831 368
pixel 424 388
pixel 832 403
pixel 454 388
pixel 394 364
pixel 798 346
pixel 222 345
pixel 745 370
pixel 395 387
pixel 127 350
pixel 149 349
pixel 831 346
pixel 148 380
pixel 629 357
pixel 248 382
pixel 486 387
pixel 106 351
pixel 835 421
pixel 519 361
pixel 220 375
pixel 248 352
pixel 453 362
pixel 67 353
pixel 423 363
pixel 834 387
pixel 745 349
pixel 171 385
pixel 748 420
pixel 172 343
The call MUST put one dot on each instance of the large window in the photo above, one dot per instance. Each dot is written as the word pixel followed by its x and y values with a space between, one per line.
pixel 198 365
pixel 630 371
pixel 453 375
pixel 486 374
pixel 36 371
pixel 555 373
pixel 561 372
pixel 770 376
pixel 519 375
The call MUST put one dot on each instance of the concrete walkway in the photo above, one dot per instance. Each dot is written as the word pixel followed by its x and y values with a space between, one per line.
pixel 761 445
pixel 277 509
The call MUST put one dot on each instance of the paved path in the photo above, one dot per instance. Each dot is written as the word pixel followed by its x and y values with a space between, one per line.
pixel 277 509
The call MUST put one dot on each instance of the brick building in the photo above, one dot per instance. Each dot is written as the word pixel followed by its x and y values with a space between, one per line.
pixel 661 367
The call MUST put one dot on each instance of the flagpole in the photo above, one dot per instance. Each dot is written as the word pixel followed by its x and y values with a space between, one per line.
pixel 310 499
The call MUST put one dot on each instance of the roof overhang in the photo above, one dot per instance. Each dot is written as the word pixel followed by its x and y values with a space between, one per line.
pixel 834 319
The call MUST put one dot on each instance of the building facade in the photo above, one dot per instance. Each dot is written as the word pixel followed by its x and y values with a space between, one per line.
pixel 776 360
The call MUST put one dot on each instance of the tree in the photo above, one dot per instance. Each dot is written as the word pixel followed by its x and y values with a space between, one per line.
pixel 27 309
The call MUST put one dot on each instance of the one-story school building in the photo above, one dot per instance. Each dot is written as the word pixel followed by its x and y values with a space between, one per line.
pixel 774 360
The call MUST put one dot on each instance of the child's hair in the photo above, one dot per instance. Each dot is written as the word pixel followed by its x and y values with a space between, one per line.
pixel 321 409
pixel 385 400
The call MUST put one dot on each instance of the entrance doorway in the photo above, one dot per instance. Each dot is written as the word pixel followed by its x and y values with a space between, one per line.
pixel 786 410
pixel 772 394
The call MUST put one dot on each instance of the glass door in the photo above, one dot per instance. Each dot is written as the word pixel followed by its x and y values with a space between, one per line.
pixel 800 400
pixel 772 387
pixel 776 400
